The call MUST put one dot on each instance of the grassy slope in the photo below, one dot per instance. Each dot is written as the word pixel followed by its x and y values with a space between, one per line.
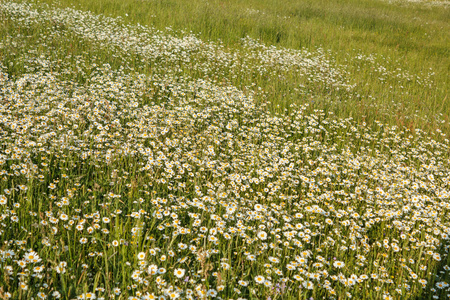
pixel 413 38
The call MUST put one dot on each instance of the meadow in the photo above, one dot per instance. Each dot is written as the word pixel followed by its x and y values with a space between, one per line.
pixel 169 149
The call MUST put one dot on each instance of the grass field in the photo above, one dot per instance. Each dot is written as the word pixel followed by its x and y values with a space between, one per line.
pixel 224 149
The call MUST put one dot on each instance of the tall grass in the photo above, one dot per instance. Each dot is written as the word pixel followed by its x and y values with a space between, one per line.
pixel 398 37
pixel 248 159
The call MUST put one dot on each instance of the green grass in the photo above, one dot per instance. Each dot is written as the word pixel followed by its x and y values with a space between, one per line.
pixel 413 38
pixel 277 139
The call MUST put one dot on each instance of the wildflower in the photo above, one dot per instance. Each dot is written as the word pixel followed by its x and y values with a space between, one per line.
pixel 437 256
pixel 179 273
pixel 87 296
pixel 152 269
pixel 338 264
pixel 262 235
pixel 173 295
pixel 267 283
pixel 32 257
pixel 259 207
pixel 38 269
pixel 243 283
pixel 42 295
pixel 308 285
pixel 23 286
pixel 259 279
pixel 298 277
pixel 148 296
pixel 273 259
